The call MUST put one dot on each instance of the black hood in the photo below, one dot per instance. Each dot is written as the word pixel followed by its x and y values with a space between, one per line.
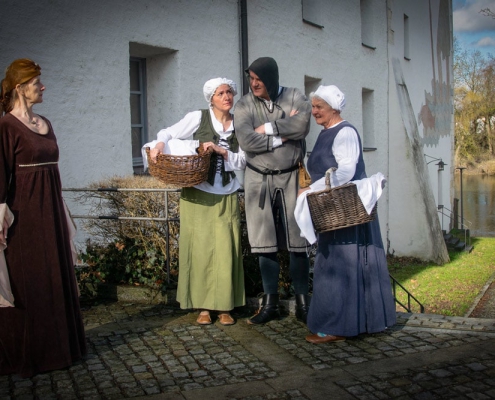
pixel 267 70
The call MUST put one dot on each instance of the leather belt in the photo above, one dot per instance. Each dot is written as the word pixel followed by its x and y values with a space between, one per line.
pixel 265 173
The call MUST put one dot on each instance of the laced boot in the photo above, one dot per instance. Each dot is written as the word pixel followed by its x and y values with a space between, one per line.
pixel 302 307
pixel 268 310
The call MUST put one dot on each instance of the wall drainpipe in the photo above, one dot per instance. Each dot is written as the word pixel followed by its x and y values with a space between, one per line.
pixel 244 44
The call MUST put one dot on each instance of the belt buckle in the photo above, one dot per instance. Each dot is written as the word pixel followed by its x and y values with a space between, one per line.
pixel 277 171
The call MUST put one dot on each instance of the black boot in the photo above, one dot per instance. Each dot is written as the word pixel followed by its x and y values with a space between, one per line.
pixel 268 311
pixel 302 307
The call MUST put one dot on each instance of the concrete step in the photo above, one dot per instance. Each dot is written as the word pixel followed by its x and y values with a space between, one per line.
pixel 452 242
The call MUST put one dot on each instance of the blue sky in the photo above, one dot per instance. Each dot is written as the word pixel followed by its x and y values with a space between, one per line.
pixel 474 30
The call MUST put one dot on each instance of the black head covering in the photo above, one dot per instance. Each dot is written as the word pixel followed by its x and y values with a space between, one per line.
pixel 267 70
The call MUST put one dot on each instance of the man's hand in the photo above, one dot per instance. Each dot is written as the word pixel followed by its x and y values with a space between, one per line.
pixel 260 129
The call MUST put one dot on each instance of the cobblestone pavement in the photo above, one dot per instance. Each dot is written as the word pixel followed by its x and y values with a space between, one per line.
pixel 158 352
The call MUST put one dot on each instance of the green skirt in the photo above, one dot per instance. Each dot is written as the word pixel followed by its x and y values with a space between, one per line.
pixel 211 275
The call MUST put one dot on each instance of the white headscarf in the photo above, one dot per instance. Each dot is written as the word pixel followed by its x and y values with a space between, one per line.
pixel 212 85
pixel 332 95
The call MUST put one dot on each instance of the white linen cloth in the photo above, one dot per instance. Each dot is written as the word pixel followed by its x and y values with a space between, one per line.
pixel 369 191
pixel 184 130
pixel 6 296
pixel 176 147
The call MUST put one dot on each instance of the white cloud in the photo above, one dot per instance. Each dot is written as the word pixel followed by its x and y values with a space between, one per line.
pixel 486 42
pixel 469 19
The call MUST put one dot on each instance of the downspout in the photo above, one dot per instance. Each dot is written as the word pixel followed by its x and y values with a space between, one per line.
pixel 244 44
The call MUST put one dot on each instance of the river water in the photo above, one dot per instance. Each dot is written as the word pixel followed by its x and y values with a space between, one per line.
pixel 478 195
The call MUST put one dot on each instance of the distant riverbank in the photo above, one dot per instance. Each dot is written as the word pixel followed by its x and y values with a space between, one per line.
pixel 482 168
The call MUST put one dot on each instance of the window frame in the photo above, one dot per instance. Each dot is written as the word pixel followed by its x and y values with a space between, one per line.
pixel 142 93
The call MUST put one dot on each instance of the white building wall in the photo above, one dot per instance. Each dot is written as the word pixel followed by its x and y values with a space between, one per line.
pixel 84 49
pixel 427 75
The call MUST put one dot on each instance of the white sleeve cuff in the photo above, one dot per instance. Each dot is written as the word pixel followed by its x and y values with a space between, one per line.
pixel 277 141
pixel 268 128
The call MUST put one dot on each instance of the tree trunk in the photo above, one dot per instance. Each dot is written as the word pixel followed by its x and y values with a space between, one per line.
pixel 489 135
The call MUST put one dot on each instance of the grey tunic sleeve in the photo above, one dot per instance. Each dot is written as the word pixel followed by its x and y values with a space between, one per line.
pixel 246 121
pixel 297 126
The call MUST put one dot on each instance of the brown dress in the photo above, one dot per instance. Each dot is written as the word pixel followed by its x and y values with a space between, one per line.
pixel 44 331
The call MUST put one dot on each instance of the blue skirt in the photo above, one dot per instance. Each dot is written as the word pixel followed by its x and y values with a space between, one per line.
pixel 352 293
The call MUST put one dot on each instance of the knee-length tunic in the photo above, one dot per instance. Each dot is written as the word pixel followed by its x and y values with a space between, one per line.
pixel 44 331
pixel 352 293
pixel 264 228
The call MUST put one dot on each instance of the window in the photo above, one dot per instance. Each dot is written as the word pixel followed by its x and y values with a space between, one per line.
pixel 368 111
pixel 407 55
pixel 367 39
pixel 311 13
pixel 139 134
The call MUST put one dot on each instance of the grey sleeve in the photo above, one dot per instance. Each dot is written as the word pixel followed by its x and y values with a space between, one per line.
pixel 244 121
pixel 297 126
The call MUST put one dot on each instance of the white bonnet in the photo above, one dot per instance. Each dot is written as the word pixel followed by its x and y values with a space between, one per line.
pixel 212 85
pixel 332 95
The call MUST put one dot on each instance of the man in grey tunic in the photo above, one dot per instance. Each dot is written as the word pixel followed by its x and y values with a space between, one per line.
pixel 271 123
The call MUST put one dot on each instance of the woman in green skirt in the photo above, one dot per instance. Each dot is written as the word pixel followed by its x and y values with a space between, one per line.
pixel 211 275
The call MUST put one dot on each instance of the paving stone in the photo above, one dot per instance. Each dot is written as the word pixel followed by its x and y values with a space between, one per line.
pixel 140 355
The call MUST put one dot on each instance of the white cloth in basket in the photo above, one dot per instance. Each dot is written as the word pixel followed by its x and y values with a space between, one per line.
pixel 369 191
pixel 177 147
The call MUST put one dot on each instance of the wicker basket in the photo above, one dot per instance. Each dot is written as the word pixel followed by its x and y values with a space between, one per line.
pixel 182 171
pixel 337 208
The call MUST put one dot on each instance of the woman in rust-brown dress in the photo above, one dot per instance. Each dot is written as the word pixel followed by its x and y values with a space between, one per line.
pixel 43 330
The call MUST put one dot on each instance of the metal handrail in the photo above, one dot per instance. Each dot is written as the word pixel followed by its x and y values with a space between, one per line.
pixel 408 308
pixel 464 226
pixel 165 219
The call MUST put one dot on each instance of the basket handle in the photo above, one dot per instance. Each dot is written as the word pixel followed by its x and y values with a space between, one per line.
pixel 327 177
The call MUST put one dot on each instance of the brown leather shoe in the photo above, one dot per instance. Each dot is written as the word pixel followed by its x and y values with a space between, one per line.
pixel 317 339
pixel 226 319
pixel 204 319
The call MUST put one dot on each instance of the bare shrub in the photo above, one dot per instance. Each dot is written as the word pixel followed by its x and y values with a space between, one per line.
pixel 133 251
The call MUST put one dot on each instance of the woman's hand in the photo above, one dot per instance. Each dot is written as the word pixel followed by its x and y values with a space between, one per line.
pixel 216 149
pixel 302 190
pixel 157 150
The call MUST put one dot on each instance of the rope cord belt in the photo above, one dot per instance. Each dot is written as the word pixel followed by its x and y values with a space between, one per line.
pixel 37 165
pixel 265 173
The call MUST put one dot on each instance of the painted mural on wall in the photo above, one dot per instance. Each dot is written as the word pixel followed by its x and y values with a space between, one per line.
pixel 436 113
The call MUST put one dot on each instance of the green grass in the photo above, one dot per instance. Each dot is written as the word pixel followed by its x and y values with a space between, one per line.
pixel 449 289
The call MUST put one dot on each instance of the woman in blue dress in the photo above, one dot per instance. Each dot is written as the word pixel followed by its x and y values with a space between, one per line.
pixel 351 286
